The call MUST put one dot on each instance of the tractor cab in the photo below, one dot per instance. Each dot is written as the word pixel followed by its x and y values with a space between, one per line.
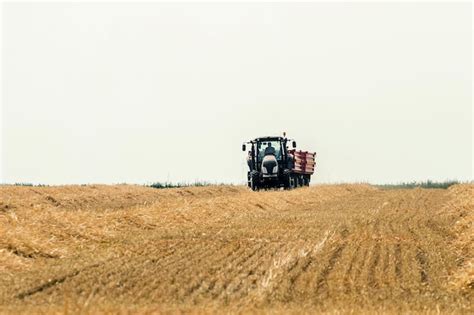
pixel 270 147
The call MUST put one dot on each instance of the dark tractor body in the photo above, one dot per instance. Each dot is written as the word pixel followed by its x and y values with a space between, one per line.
pixel 273 165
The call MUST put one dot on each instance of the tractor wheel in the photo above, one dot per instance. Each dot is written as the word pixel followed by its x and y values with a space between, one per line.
pixel 253 184
pixel 287 183
pixel 292 182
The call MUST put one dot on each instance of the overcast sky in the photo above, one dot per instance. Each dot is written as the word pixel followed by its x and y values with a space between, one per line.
pixel 111 93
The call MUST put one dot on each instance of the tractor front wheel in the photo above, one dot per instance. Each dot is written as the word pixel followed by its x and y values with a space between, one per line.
pixel 254 183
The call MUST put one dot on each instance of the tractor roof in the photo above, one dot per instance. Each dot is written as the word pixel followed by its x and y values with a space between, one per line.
pixel 268 138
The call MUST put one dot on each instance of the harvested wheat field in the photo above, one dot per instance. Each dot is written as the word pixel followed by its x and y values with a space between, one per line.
pixel 326 248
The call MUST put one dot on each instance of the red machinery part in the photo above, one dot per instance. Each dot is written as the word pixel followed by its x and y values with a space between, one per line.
pixel 304 161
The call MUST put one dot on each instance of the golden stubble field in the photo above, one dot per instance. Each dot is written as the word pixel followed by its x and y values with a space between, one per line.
pixel 327 248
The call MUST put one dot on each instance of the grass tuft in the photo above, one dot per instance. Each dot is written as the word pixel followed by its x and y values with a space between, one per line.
pixel 423 184
pixel 165 185
pixel 29 185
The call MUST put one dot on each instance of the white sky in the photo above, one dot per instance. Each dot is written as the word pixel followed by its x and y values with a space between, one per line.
pixel 109 93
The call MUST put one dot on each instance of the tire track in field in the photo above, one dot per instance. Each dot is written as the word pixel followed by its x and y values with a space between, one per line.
pixel 53 282
pixel 385 276
pixel 190 289
pixel 139 272
pixel 124 276
pixel 420 257
pixel 222 283
pixel 360 265
pixel 235 288
pixel 348 281
pixel 321 282
pixel 307 262
pixel 374 261
pixel 114 274
pixel 282 279
pixel 112 277
pixel 166 272
pixel 398 261
pixel 422 260
pixel 205 284
pixel 213 266
pixel 171 276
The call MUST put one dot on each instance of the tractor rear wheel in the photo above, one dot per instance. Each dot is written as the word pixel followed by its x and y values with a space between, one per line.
pixel 253 184
pixel 293 183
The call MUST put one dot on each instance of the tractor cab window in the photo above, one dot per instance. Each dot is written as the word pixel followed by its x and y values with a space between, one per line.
pixel 269 147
